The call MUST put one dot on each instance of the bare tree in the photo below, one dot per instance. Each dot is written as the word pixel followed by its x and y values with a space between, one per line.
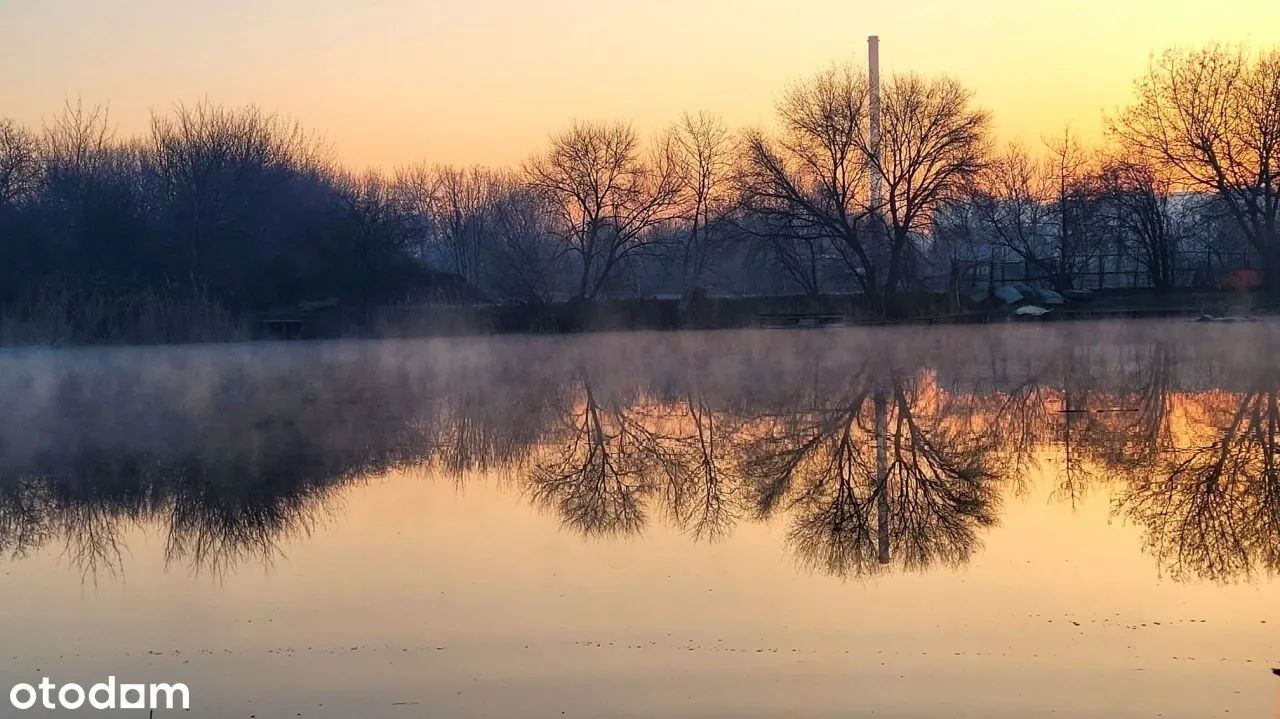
pixel 801 257
pixel 462 210
pixel 606 195
pixel 373 233
pixel 77 138
pixel 1001 216
pixel 415 188
pixel 933 142
pixel 19 162
pixel 217 168
pixel 703 147
pixel 1045 211
pixel 1210 118
pixel 1137 202
pixel 523 259
pixel 1011 201
pixel 810 183
pixel 1076 207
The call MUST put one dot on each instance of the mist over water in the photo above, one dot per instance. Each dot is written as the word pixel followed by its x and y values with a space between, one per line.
pixel 1004 520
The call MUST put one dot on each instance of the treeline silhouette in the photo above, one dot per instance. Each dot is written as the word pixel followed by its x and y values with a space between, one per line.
pixel 174 237
pixel 878 453
pixel 220 214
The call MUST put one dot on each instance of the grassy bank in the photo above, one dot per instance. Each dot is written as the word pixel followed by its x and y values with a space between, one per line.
pixel 68 317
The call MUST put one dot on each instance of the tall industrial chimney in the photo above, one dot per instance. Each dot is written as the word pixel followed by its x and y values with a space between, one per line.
pixel 881 402
pixel 873 77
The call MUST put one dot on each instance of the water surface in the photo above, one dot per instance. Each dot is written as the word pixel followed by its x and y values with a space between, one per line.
pixel 1009 521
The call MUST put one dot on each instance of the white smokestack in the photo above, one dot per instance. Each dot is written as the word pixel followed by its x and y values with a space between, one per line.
pixel 873 77
pixel 881 403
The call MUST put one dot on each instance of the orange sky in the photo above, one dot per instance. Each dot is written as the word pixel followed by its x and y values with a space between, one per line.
pixel 392 82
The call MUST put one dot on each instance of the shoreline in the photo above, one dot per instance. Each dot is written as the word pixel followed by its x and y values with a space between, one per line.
pixel 423 321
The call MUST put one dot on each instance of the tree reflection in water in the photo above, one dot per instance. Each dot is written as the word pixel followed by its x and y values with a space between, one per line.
pixel 1212 506
pixel 605 470
pixel 878 451
pixel 876 478
pixel 615 456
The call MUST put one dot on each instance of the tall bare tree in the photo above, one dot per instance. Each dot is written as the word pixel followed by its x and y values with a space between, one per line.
pixel 810 183
pixel 933 142
pixel 607 196
pixel 1076 208
pixel 704 154
pixel 1210 118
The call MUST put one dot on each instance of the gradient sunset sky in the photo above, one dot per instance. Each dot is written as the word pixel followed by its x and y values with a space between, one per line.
pixel 392 82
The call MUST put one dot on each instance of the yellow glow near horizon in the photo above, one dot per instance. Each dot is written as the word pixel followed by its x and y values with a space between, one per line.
pixel 393 82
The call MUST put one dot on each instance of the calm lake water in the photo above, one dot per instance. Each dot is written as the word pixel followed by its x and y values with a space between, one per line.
pixel 1009 521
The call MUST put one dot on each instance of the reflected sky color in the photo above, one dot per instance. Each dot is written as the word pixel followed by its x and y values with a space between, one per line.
pixel 391 82
pixel 380 528
pixel 469 603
